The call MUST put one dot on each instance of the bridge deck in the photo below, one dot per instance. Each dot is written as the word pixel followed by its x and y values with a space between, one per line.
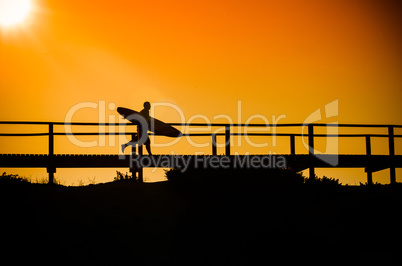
pixel 372 163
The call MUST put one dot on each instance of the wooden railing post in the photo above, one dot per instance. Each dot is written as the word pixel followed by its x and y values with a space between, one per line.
pixel 214 151
pixel 368 145
pixel 391 153
pixel 51 140
pixel 51 169
pixel 292 145
pixel 311 149
pixel 227 140
pixel 368 153
pixel 311 139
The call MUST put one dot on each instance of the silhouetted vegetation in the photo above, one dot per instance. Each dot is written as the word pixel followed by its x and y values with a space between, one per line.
pixel 374 184
pixel 120 176
pixel 13 179
pixel 325 181
pixel 209 217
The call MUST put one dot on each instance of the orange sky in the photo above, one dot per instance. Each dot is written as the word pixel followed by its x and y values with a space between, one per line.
pixel 277 57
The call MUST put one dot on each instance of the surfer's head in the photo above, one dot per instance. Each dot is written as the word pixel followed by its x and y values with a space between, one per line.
pixel 147 105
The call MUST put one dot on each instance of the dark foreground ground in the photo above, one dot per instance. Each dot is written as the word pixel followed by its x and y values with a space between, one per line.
pixel 241 223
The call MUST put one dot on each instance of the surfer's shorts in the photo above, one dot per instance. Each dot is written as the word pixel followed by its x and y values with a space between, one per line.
pixel 135 139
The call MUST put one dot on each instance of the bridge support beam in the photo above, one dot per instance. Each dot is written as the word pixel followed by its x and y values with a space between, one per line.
pixel 51 171
pixel 392 175
pixel 137 172
pixel 227 140
pixel 312 173
pixel 391 153
pixel 292 145
pixel 369 178
pixel 140 177
pixel 214 149
pixel 368 153
pixel 311 148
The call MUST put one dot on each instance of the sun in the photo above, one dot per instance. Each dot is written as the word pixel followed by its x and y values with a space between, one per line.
pixel 13 12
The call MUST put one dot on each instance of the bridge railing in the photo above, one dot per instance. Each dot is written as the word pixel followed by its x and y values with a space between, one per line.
pixel 227 134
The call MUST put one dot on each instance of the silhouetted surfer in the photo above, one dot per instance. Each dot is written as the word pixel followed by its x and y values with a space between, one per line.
pixel 144 113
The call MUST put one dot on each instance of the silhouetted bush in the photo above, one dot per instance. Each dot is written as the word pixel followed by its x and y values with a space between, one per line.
pixel 324 187
pixel 366 184
pixel 13 179
pixel 324 181
pixel 120 176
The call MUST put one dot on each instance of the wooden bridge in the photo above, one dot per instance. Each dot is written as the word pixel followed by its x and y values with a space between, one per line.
pixel 298 162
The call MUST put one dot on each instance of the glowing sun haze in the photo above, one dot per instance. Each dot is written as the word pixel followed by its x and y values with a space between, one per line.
pixel 13 11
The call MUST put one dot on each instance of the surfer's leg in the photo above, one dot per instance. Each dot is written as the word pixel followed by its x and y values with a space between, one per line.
pixel 148 146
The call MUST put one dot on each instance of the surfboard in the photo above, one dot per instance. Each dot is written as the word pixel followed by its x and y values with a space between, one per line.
pixel 156 126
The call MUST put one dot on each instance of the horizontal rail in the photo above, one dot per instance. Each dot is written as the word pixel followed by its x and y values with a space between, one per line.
pixel 199 124
pixel 63 123
pixel 194 134
pixel 23 134
pixel 285 125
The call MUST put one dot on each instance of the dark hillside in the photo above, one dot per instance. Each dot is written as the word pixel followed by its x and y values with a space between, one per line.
pixel 201 223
